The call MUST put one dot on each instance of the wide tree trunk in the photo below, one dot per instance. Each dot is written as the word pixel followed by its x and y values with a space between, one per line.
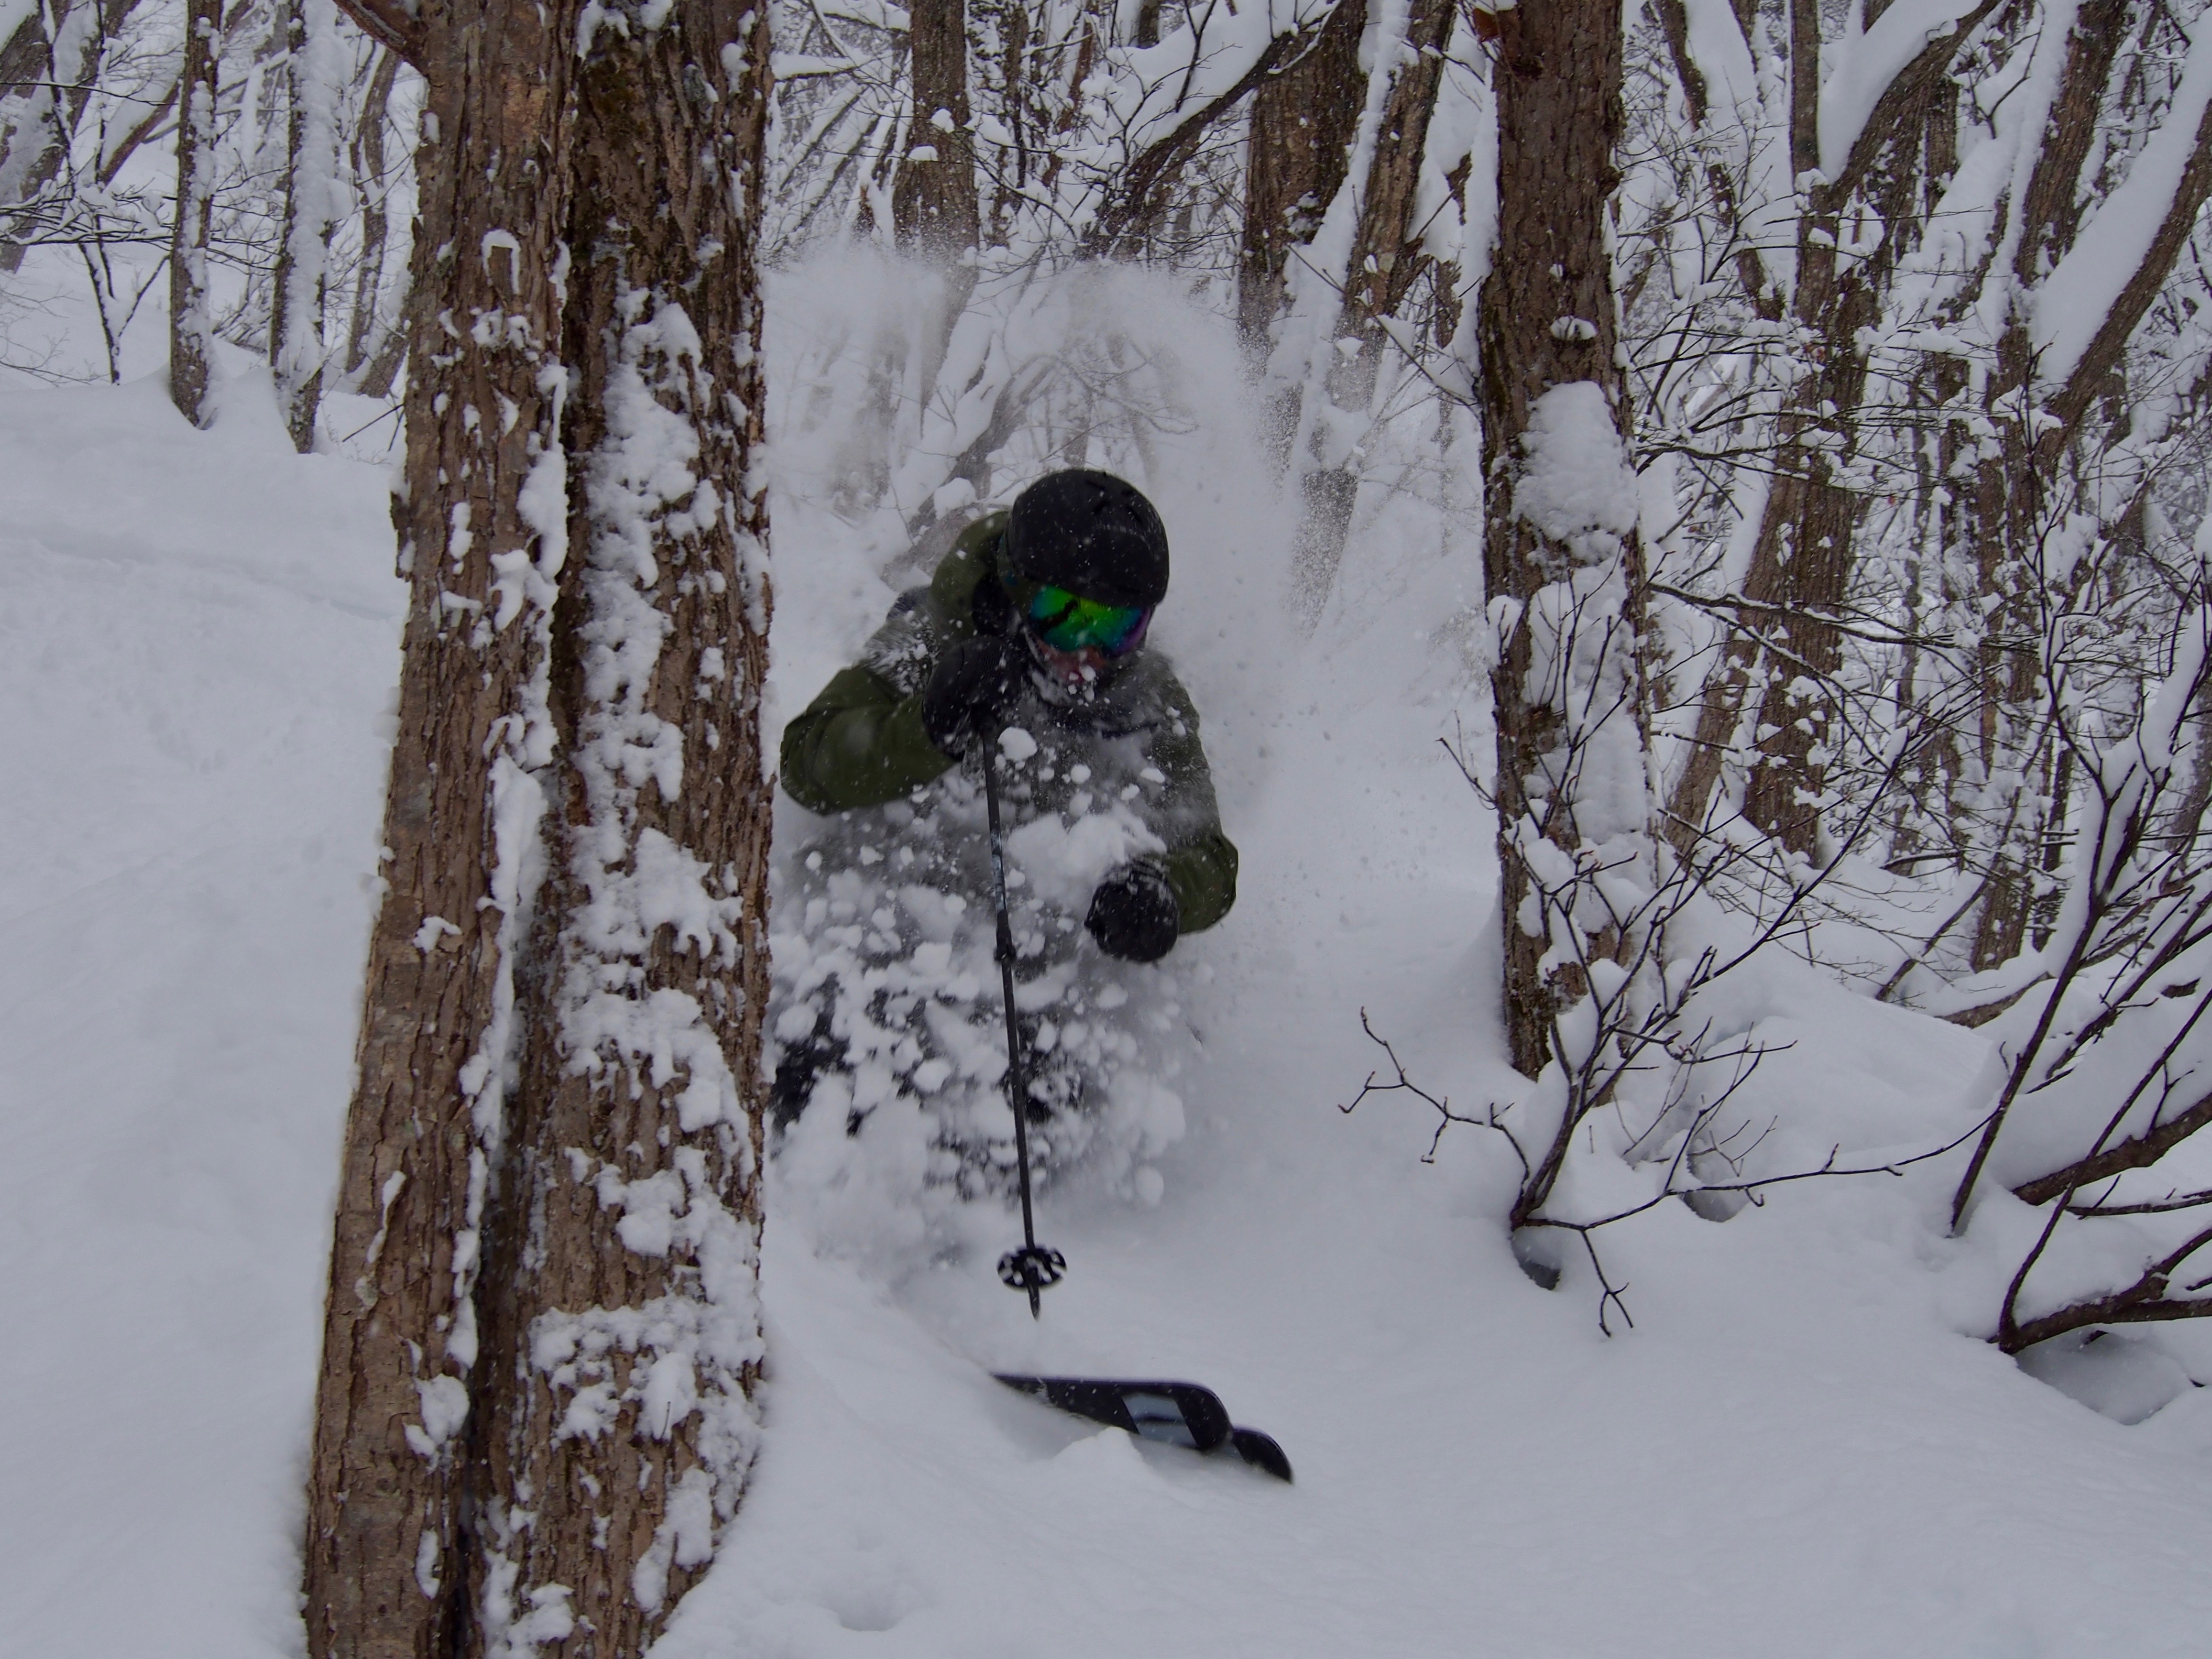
pixel 1298 153
pixel 482 524
pixel 622 1338
pixel 535 1414
pixel 1560 547
pixel 191 333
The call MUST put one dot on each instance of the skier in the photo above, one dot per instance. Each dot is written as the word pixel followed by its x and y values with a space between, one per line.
pixel 1034 627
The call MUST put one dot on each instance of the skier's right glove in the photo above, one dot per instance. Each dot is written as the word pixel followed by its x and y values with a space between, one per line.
pixel 1133 914
pixel 969 694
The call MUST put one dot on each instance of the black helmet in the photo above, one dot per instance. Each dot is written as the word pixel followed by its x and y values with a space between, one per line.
pixel 1089 532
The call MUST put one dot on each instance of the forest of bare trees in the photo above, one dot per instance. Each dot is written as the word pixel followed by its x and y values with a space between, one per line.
pixel 1823 393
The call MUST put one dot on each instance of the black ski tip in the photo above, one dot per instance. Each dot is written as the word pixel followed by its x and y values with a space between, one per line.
pixel 1186 1414
pixel 1174 1414
pixel 1262 1452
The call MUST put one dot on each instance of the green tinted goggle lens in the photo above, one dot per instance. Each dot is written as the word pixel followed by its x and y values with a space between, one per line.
pixel 1068 622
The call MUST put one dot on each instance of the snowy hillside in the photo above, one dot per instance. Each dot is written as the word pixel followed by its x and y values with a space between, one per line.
pixel 1801 1448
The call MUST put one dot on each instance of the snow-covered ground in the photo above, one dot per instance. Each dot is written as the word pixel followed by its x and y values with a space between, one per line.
pixel 1800 1447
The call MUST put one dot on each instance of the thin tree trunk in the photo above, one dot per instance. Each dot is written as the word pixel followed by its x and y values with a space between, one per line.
pixel 375 213
pixel 623 1337
pixel 2010 502
pixel 151 122
pixel 1801 562
pixel 1385 262
pixel 483 535
pixel 1775 681
pixel 299 287
pixel 1560 516
pixel 191 334
pixel 933 199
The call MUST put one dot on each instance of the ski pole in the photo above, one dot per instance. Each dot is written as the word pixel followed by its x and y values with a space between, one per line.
pixel 1032 1269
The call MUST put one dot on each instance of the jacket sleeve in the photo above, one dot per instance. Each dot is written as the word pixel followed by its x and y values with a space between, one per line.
pixel 858 743
pixel 1201 861
pixel 1203 874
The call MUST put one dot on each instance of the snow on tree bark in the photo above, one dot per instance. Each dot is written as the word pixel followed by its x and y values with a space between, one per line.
pixel 1296 153
pixel 2072 299
pixel 933 207
pixel 1385 262
pixel 1774 675
pixel 482 519
pixel 623 1333
pixel 192 334
pixel 1561 559
pixel 311 216
pixel 365 368
pixel 49 69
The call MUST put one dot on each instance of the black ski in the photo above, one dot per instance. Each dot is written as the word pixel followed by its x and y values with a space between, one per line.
pixel 1173 1413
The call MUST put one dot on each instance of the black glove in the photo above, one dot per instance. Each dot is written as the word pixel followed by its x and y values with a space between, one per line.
pixel 969 693
pixel 1133 913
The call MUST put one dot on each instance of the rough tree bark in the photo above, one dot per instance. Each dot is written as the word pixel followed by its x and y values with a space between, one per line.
pixel 369 166
pixel 2008 506
pixel 1561 561
pixel 45 81
pixel 933 197
pixel 1799 576
pixel 1303 116
pixel 622 1333
pixel 26 106
pixel 1385 262
pixel 311 208
pixel 482 525
pixel 192 334
pixel 535 1411
pixel 1803 561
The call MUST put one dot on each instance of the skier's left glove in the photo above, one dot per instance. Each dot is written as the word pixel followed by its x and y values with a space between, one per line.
pixel 1133 913
pixel 969 694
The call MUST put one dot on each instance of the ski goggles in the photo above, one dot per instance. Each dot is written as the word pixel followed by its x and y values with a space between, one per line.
pixel 1066 621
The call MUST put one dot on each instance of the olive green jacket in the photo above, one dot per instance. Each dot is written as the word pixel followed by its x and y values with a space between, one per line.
pixel 860 743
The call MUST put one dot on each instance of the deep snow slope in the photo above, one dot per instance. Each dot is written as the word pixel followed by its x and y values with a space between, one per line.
pixel 197 635
pixel 1794 1452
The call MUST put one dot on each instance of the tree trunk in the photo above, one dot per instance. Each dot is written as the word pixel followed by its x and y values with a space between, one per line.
pixel 1778 665
pixel 26 100
pixel 375 215
pixel 1302 119
pixel 535 1411
pixel 1560 541
pixel 191 334
pixel 45 81
pixel 483 534
pixel 311 213
pixel 1385 262
pixel 28 116
pixel 2011 504
pixel 933 198
pixel 622 1335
